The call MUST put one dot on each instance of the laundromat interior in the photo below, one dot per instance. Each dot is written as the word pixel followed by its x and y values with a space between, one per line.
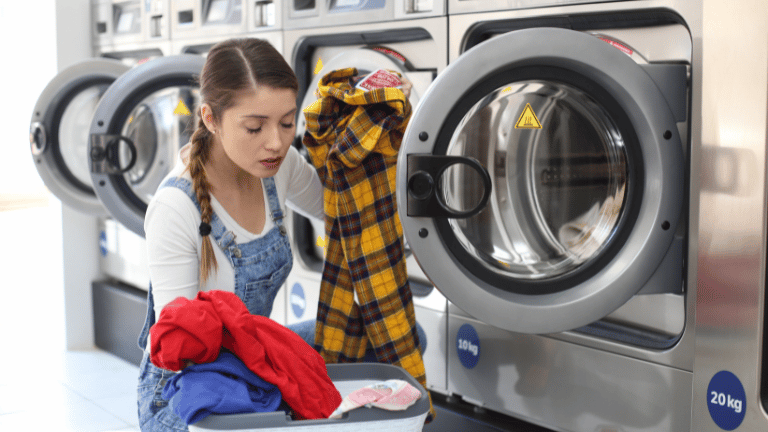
pixel 582 191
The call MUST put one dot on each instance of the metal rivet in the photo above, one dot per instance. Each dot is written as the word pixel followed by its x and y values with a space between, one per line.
pixel 423 233
pixel 665 225
pixel 237 252
pixel 423 136
pixel 283 231
pixel 667 135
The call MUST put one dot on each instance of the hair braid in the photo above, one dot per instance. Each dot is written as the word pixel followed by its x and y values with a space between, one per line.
pixel 199 152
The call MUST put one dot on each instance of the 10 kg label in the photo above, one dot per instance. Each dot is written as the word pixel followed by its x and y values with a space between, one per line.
pixel 468 346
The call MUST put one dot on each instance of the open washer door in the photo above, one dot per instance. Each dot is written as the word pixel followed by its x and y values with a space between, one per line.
pixel 541 180
pixel 58 132
pixel 139 126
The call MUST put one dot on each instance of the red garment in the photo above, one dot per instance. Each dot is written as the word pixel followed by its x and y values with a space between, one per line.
pixel 196 330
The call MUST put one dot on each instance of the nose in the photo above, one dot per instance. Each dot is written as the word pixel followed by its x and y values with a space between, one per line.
pixel 273 141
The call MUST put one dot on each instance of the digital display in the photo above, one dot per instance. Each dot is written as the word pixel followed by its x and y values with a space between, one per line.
pixel 217 11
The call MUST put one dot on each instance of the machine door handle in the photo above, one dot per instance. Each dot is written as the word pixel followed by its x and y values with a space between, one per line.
pixel 105 157
pixel 425 195
pixel 38 139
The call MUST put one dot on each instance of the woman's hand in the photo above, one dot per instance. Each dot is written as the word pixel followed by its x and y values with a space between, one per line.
pixel 407 86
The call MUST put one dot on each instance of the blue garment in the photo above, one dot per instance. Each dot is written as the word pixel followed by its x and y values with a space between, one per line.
pixel 224 386
pixel 261 267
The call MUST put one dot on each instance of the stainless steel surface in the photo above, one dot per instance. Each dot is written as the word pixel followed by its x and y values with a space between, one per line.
pixel 123 254
pixel 728 254
pixel 324 13
pixel 567 387
pixel 467 6
pixel 424 54
pixel 264 15
pixel 201 45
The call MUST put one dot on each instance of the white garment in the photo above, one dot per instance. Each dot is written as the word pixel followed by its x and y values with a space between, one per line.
pixel 172 223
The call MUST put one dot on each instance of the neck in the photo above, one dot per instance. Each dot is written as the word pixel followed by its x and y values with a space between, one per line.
pixel 224 173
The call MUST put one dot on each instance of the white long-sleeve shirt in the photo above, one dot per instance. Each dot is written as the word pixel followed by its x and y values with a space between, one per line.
pixel 174 243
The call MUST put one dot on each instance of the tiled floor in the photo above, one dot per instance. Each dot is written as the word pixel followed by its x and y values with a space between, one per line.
pixel 43 386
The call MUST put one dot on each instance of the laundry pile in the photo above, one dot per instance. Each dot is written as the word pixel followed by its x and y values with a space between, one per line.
pixel 224 386
pixel 197 330
pixel 353 137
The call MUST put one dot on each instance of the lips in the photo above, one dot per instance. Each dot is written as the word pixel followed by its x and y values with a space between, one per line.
pixel 271 162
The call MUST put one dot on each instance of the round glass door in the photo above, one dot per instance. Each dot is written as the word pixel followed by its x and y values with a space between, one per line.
pixel 558 191
pixel 137 131
pixel 59 130
pixel 541 195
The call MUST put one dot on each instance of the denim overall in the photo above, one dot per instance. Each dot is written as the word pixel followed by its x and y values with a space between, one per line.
pixel 260 266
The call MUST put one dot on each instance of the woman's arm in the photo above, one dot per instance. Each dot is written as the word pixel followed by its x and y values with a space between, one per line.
pixel 172 247
pixel 305 192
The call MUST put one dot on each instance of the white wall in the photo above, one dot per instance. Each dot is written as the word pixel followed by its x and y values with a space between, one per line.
pixel 28 32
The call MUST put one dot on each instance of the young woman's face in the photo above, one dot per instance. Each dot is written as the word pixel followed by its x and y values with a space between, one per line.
pixel 258 130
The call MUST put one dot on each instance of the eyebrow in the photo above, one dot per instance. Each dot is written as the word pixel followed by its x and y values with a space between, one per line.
pixel 265 117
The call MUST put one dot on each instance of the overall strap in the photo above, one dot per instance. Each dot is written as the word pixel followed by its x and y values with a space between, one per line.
pixel 274 204
pixel 219 232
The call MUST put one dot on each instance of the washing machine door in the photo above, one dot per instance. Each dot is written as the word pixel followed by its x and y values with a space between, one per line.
pixel 365 60
pixel 540 181
pixel 58 132
pixel 142 121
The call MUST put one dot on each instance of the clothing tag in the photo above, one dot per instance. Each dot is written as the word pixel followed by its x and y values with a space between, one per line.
pixel 378 79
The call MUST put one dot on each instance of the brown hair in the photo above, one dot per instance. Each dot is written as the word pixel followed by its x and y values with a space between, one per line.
pixel 232 66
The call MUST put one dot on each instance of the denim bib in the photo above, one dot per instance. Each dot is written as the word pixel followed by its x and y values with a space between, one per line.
pixel 261 266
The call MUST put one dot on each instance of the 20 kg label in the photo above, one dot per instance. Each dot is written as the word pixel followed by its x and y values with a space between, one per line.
pixel 726 400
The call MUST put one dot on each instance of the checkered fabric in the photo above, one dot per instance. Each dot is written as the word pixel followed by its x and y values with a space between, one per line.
pixel 353 137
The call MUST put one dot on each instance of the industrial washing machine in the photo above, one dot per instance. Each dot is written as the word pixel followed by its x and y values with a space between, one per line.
pixel 224 19
pixel 406 36
pixel 543 186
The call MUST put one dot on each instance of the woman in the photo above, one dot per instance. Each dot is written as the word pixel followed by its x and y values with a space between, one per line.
pixel 216 220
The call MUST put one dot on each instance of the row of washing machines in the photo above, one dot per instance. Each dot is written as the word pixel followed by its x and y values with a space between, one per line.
pixel 543 183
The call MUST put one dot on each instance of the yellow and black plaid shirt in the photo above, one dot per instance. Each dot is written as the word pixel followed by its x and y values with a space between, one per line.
pixel 353 137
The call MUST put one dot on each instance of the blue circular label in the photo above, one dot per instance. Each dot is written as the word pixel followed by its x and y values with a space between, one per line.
pixel 298 302
pixel 468 346
pixel 103 243
pixel 726 400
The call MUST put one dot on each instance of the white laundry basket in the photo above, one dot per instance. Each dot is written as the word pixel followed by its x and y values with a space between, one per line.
pixel 347 378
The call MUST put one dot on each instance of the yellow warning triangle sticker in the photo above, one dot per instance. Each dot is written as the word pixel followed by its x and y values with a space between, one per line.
pixel 528 119
pixel 318 66
pixel 182 109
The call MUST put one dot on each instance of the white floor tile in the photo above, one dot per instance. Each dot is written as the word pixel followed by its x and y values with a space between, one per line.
pixel 82 416
pixel 124 407
pixel 43 386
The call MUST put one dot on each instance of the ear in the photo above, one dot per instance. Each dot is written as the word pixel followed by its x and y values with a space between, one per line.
pixel 206 113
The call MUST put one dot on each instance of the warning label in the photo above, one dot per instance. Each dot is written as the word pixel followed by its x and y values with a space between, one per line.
pixel 528 119
pixel 181 109
pixel 318 66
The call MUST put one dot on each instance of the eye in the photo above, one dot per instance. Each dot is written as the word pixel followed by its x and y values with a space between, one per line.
pixel 253 131
pixel 287 126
